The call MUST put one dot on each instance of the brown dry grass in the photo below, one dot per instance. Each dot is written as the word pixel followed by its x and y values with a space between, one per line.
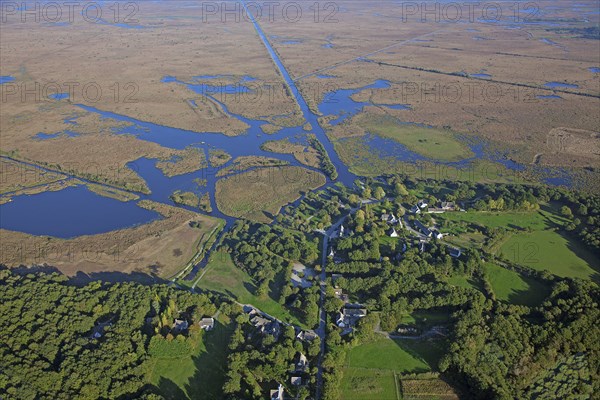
pixel 176 42
pixel 97 153
pixel 46 187
pixel 305 154
pixel 429 53
pixel 259 194
pixel 182 162
pixel 15 176
pixel 218 157
pixel 246 162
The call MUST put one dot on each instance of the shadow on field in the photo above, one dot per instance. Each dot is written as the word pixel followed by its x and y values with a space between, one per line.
pixel 426 351
pixel 210 365
pixel 170 390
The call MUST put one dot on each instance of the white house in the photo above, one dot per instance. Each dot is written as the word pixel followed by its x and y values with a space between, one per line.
pixel 207 323
pixel 437 234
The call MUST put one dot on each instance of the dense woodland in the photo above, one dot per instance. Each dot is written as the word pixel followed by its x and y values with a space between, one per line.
pixel 498 350
pixel 501 351
pixel 48 346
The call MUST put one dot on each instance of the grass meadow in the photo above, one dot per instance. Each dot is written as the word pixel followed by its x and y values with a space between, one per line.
pixel 512 287
pixel 222 276
pixel 372 369
pixel 198 375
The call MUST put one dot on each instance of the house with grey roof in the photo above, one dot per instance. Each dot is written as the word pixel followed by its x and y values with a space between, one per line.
pixel 266 326
pixel 454 252
pixel 180 325
pixel 307 336
pixel 349 316
pixel 422 228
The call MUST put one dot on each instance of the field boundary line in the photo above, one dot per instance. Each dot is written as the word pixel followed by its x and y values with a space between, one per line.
pixel 398 394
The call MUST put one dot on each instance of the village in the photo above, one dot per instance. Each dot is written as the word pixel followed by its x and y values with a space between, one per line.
pixel 409 231
pixel 403 227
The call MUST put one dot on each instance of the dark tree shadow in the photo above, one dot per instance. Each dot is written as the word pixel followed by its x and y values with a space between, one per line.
pixel 170 390
pixel 211 364
pixel 83 278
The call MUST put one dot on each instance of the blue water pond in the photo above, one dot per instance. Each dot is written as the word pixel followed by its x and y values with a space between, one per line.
pixel 73 211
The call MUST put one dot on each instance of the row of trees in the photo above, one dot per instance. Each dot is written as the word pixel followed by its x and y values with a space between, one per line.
pixel 326 164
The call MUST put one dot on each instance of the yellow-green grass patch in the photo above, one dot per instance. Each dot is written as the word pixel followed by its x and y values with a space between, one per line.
pixel 549 250
pixel 200 375
pixel 222 276
pixel 402 356
pixel 433 143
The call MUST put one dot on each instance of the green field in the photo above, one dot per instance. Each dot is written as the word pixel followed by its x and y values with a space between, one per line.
pixel 402 356
pixel 426 317
pixel 464 282
pixel 506 219
pixel 370 367
pixel 200 375
pixel 365 160
pixel 435 144
pixel 386 243
pixel 224 277
pixel 543 248
pixel 548 250
pixel 510 286
pixel 363 384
